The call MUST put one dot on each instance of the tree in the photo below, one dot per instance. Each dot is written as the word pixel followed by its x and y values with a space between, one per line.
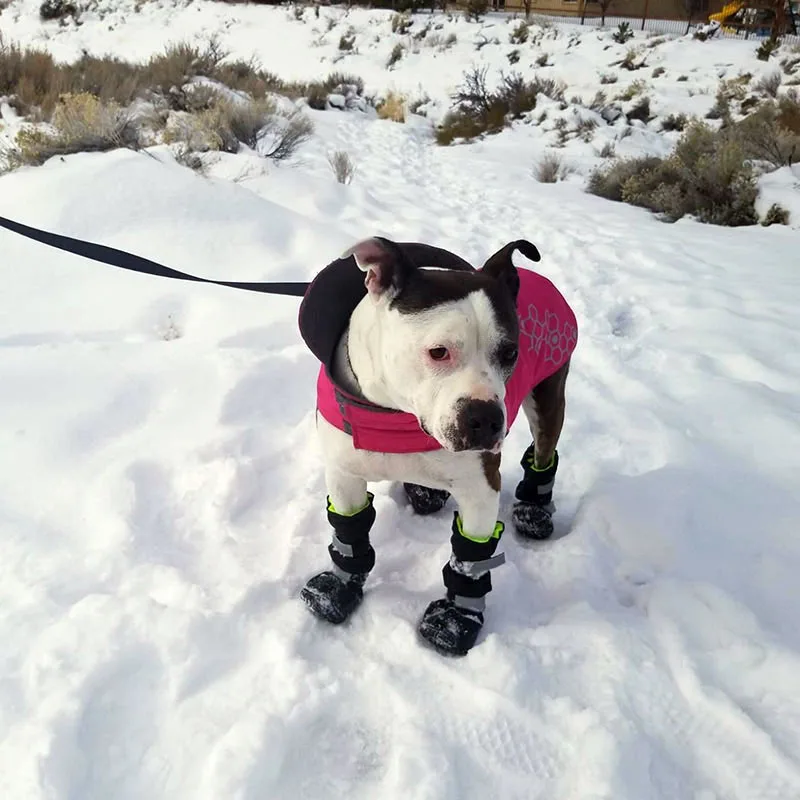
pixel 690 7
pixel 527 5
pixel 604 6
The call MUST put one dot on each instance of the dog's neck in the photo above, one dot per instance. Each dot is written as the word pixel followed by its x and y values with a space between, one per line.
pixel 355 367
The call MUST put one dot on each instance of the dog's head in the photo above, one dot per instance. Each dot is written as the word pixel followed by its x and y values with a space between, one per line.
pixel 442 343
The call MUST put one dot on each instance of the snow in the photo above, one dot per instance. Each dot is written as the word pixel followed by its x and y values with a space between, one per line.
pixel 162 496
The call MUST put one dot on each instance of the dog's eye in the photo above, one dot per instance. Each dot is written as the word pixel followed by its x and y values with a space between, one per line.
pixel 508 354
pixel 438 353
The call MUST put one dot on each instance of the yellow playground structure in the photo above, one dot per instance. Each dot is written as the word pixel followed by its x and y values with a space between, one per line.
pixel 762 17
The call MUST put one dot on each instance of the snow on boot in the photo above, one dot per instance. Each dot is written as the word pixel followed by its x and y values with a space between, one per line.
pixel 453 631
pixel 333 595
pixel 532 514
pixel 532 521
pixel 424 500
pixel 453 623
pixel 333 598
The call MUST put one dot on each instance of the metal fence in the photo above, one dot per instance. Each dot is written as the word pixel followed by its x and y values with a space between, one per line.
pixel 668 27
pixel 674 27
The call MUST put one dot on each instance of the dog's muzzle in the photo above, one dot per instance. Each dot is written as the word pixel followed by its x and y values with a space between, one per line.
pixel 480 425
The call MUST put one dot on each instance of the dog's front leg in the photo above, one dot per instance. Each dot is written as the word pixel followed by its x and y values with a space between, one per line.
pixel 453 623
pixel 334 594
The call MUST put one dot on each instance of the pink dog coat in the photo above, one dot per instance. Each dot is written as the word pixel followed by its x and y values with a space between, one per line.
pixel 548 335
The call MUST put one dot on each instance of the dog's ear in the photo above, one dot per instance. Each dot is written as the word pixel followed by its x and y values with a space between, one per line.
pixel 386 266
pixel 501 265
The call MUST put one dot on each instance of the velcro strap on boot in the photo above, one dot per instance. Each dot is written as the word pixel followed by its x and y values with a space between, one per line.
pixel 468 573
pixel 536 485
pixel 476 604
pixel 350 548
pixel 474 569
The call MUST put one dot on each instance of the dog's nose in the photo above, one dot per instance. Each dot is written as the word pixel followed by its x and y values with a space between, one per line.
pixel 482 424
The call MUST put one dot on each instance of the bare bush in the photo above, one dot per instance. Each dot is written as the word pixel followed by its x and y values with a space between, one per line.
pixel 342 166
pixel 769 84
pixel 674 122
pixel 772 133
pixel 550 168
pixel 479 109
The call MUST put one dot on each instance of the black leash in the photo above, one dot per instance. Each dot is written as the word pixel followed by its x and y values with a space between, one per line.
pixel 119 258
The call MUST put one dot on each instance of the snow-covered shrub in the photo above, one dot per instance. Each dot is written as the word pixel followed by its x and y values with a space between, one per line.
pixel 776 215
pixel 623 33
pixel 769 84
pixel 57 9
pixel 520 33
pixel 401 24
pixel 395 55
pixel 707 176
pixel 634 90
pixel 641 111
pixel 226 124
pixel 767 48
pixel 674 122
pixel 81 123
pixel 479 109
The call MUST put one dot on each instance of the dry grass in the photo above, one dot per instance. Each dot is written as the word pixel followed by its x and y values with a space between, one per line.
pixel 550 168
pixel 34 81
pixel 393 108
pixel 81 123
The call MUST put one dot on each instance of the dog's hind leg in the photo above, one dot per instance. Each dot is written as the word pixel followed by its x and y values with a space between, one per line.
pixel 453 623
pixel 334 594
pixel 544 409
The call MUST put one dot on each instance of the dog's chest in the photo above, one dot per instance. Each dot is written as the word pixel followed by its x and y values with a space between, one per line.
pixel 438 469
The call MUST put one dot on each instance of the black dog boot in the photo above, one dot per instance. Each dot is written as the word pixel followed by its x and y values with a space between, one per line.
pixel 335 594
pixel 532 514
pixel 424 500
pixel 453 623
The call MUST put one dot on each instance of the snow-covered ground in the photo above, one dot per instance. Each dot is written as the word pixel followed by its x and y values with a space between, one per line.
pixel 162 499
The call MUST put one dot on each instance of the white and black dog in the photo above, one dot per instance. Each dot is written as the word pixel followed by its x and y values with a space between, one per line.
pixel 425 362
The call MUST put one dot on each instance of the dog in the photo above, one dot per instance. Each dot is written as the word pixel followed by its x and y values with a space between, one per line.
pixel 425 363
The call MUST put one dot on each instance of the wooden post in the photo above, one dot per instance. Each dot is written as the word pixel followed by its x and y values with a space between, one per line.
pixel 644 13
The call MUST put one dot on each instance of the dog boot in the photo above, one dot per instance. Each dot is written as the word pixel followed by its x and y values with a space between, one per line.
pixel 335 594
pixel 453 623
pixel 532 514
pixel 424 500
